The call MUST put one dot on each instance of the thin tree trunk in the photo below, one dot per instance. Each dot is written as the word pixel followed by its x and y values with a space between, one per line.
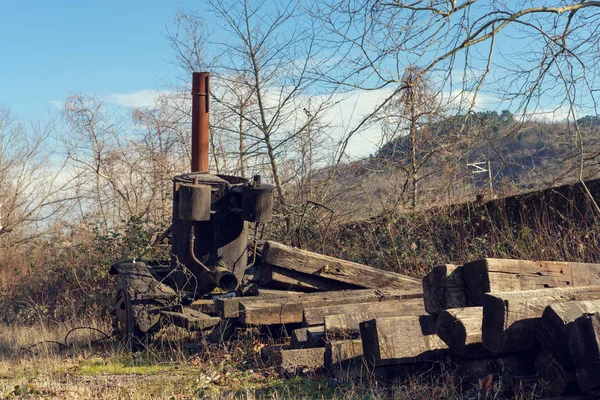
pixel 413 154
pixel 263 119
pixel 241 147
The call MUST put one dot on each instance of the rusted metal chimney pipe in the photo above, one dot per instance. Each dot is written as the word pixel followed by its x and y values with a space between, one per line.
pixel 200 114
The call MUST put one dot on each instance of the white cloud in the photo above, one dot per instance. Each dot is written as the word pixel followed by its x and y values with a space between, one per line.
pixel 349 111
pixel 140 98
pixel 354 106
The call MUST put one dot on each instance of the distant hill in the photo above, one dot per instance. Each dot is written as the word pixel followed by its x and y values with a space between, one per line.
pixel 523 156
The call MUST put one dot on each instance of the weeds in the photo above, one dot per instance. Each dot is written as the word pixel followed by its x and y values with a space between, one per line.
pixel 70 281
pixel 557 224
pixel 180 365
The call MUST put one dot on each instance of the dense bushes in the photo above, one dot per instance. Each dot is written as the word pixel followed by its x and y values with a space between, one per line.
pixel 67 276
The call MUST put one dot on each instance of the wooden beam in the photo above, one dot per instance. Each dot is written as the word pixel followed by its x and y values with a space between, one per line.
pixel 552 327
pixel 444 287
pixel 556 378
pixel 501 275
pixel 335 269
pixel 460 329
pixel 265 293
pixel 293 360
pixel 343 353
pixel 588 381
pixel 285 311
pixel 229 307
pixel 190 319
pixel 401 340
pixel 583 338
pixel 206 306
pixel 510 319
pixel 299 338
pixel 315 336
pixel 363 311
pixel 347 326
pixel 293 280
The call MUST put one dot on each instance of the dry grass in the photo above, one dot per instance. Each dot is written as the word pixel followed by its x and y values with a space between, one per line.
pixel 558 224
pixel 179 365
pixel 58 362
pixel 36 363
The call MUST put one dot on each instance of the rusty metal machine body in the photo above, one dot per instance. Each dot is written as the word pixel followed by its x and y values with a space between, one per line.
pixel 208 240
pixel 210 227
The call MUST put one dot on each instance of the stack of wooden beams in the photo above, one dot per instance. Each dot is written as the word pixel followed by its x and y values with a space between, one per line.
pixel 541 311
pixel 325 299
pixel 537 319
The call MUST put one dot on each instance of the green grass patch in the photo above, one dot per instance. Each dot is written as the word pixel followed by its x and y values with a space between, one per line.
pixel 114 367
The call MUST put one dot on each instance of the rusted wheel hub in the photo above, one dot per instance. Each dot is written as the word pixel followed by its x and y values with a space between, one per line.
pixel 124 313
pixel 124 321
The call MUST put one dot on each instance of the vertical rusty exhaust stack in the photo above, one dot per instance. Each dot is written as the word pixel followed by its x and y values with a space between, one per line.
pixel 200 113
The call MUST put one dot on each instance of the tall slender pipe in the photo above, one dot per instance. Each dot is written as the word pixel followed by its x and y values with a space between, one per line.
pixel 200 114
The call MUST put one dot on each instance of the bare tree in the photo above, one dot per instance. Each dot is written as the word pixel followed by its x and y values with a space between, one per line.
pixel 165 147
pixel 33 184
pixel 536 59
pixel 124 172
pixel 412 119
pixel 264 75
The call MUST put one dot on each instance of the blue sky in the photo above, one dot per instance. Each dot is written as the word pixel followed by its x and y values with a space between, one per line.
pixel 113 49
pixel 49 49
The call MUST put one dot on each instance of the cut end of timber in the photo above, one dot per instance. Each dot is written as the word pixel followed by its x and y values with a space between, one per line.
pixel 401 340
pixel 343 353
pixel 444 287
pixel 370 342
pixel 510 318
pixel 291 360
pixel 476 281
pixel 451 331
pixel 494 322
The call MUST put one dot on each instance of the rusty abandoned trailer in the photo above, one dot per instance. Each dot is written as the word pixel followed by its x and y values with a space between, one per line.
pixel 208 240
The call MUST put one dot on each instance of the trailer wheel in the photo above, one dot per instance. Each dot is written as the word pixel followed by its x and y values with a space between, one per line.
pixel 124 321
pixel 139 299
pixel 132 322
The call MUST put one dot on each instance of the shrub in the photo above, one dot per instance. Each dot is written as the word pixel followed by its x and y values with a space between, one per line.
pixel 67 276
